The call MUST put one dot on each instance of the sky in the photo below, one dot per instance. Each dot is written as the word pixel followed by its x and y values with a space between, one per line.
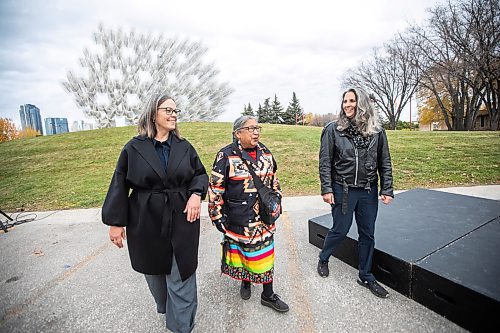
pixel 261 48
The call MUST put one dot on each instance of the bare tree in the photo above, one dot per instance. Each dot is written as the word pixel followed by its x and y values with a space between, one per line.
pixel 322 119
pixel 129 68
pixel 389 77
pixel 473 27
pixel 458 50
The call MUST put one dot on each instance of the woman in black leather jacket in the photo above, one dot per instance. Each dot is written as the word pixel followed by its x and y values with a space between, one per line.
pixel 354 154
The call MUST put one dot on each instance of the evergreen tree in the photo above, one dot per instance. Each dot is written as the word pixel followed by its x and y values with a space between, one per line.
pixel 247 110
pixel 289 116
pixel 294 113
pixel 260 114
pixel 250 110
pixel 265 114
pixel 276 116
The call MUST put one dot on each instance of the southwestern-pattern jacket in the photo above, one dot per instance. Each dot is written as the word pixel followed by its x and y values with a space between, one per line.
pixel 232 193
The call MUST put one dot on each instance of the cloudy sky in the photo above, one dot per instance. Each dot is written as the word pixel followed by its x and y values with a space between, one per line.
pixel 261 47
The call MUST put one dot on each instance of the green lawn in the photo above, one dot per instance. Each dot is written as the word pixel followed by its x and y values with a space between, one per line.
pixel 73 170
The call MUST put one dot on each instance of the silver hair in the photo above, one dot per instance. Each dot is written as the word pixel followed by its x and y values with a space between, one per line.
pixel 146 125
pixel 366 119
pixel 240 122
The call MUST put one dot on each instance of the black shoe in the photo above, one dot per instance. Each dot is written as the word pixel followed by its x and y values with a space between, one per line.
pixel 245 290
pixel 323 270
pixel 375 288
pixel 274 302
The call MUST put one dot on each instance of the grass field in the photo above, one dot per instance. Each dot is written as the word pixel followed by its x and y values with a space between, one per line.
pixel 73 170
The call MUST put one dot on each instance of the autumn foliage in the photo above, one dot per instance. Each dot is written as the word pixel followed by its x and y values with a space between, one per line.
pixel 8 131
pixel 430 110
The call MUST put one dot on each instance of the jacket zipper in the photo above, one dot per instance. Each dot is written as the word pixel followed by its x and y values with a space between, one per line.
pixel 357 162
pixel 356 176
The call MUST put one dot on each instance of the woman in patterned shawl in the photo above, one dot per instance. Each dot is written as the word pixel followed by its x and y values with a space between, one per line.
pixel 248 244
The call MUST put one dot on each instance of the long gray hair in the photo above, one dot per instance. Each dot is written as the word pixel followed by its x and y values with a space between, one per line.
pixel 239 123
pixel 146 125
pixel 366 119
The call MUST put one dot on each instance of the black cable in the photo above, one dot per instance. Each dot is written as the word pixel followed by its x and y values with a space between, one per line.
pixel 57 211
pixel 17 220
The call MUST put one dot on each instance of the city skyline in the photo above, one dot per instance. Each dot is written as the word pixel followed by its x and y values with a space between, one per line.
pixel 31 117
pixel 261 48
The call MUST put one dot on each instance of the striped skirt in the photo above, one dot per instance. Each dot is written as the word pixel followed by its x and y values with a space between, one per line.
pixel 249 262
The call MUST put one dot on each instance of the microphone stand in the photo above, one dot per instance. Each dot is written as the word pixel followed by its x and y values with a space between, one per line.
pixel 4 226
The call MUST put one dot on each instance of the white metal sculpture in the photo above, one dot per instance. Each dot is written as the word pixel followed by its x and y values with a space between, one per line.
pixel 126 69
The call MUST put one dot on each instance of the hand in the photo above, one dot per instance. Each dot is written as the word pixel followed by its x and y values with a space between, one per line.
pixel 220 226
pixel 117 235
pixel 193 208
pixel 328 198
pixel 386 199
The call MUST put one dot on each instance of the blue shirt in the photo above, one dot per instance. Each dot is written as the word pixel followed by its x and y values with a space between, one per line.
pixel 163 150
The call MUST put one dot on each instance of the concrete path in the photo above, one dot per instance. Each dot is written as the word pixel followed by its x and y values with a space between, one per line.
pixel 60 273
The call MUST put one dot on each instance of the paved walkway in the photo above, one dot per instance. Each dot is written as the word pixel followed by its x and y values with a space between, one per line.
pixel 61 274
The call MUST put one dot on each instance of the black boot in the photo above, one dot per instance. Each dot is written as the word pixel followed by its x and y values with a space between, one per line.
pixel 274 302
pixel 323 270
pixel 245 290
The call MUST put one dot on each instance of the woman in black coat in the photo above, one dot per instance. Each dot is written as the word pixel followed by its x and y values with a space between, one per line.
pixel 155 194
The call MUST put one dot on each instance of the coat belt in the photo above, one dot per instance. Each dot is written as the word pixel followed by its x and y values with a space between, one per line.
pixel 168 209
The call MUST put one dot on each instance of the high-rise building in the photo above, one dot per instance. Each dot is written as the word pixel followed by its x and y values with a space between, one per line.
pixel 80 125
pixel 30 117
pixel 56 125
pixel 75 127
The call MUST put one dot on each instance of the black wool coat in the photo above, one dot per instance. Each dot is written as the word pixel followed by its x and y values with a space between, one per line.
pixel 149 202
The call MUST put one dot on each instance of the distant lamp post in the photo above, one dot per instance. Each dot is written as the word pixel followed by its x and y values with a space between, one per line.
pixel 410 114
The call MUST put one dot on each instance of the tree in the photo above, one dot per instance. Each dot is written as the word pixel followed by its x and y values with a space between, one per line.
pixel 264 112
pixel 308 117
pixel 389 77
pixel 8 130
pixel 458 50
pixel 429 53
pixel 260 114
pixel 429 110
pixel 276 115
pixel 132 67
pixel 247 110
pixel 473 27
pixel 294 113
pixel 322 119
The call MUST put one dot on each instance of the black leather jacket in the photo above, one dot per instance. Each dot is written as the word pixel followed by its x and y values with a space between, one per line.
pixel 341 161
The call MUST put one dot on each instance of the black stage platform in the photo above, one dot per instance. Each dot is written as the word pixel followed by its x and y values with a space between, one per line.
pixel 440 249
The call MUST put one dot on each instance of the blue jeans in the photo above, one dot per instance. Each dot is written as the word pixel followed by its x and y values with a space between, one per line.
pixel 363 204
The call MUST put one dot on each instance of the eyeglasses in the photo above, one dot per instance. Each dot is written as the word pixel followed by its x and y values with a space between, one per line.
pixel 169 111
pixel 252 129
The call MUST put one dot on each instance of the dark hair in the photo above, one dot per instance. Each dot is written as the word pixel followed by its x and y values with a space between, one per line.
pixel 146 125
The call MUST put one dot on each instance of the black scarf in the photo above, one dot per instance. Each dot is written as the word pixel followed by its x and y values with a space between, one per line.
pixel 360 141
